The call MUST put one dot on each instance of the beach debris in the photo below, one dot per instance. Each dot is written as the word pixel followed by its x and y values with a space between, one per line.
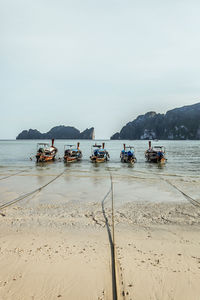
pixel 157 261
pixel 130 285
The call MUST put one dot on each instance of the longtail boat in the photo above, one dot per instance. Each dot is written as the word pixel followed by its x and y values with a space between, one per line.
pixel 45 152
pixel 71 153
pixel 155 154
pixel 99 153
pixel 127 155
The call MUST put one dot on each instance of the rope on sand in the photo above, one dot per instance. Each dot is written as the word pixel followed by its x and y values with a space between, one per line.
pixel 14 174
pixel 190 199
pixel 111 237
pixel 11 202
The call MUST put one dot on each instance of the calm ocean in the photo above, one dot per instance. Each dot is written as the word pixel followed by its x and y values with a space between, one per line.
pixel 183 157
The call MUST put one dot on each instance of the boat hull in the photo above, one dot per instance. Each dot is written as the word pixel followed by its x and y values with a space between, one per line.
pixel 71 159
pixel 152 158
pixel 128 160
pixel 96 159
pixel 45 158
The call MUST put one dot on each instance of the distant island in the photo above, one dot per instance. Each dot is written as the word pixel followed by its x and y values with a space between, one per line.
pixel 58 132
pixel 177 124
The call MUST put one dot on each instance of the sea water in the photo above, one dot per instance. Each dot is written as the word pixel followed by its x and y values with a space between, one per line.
pixel 183 157
pixel 88 182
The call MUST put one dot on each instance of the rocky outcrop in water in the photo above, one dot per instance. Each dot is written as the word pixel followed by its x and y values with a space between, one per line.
pixel 58 132
pixel 177 124
pixel 87 134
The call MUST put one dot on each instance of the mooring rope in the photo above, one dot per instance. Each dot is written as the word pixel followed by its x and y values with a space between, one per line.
pixel 15 173
pixel 30 193
pixel 190 199
pixel 111 237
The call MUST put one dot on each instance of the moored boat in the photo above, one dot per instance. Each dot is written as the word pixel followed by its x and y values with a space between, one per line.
pixel 45 152
pixel 127 155
pixel 99 154
pixel 155 154
pixel 72 154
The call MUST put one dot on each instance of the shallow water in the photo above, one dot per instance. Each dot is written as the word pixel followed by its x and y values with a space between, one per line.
pixel 183 158
pixel 85 182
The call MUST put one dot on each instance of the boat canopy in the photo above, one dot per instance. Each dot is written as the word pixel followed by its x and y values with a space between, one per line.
pixel 159 148
pixel 43 145
pixel 128 151
pixel 129 147
pixel 69 147
pixel 100 149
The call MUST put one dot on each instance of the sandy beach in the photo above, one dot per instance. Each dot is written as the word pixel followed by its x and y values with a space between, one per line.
pixel 54 243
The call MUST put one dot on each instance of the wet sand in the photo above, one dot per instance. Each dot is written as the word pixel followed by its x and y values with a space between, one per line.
pixel 54 244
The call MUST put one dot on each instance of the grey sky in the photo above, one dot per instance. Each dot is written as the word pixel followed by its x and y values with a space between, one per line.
pixel 95 63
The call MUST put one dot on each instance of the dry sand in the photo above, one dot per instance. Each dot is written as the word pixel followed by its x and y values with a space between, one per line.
pixel 54 246
pixel 51 265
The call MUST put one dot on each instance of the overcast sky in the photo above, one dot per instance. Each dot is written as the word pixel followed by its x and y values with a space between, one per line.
pixel 95 63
